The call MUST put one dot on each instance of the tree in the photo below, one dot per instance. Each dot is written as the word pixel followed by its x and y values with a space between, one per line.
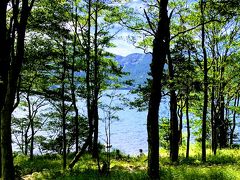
pixel 204 119
pixel 99 68
pixel 73 69
pixel 160 50
pixel 11 60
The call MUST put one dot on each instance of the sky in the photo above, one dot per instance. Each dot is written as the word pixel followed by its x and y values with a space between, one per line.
pixel 124 46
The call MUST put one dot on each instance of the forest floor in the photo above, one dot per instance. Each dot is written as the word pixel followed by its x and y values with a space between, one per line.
pixel 225 165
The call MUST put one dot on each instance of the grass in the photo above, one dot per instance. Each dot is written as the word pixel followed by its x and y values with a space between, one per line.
pixel 224 166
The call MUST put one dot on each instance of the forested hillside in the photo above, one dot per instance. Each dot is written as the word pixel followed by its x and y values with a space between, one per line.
pixel 64 82
pixel 137 65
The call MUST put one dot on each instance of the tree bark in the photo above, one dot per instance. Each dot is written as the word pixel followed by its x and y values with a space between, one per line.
pixel 205 104
pixel 6 146
pixel 63 106
pixel 188 124
pixel 174 135
pixel 223 127
pixel 96 84
pixel 187 109
pixel 32 138
pixel 213 113
pixel 158 60
pixel 81 152
pixel 88 62
pixel 180 115
pixel 223 124
pixel 73 87
pixel 236 103
pixel 3 64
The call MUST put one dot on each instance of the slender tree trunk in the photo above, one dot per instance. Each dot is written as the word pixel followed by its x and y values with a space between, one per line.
pixel 213 114
pixel 32 140
pixel 73 88
pixel 96 84
pixel 174 135
pixel 32 137
pixel 174 132
pixel 158 61
pixel 95 140
pixel 81 152
pixel 236 103
pixel 88 61
pixel 188 124
pixel 22 138
pixel 223 126
pixel 3 65
pixel 205 104
pixel 63 107
pixel 31 125
pixel 26 142
pixel 187 109
pixel 180 122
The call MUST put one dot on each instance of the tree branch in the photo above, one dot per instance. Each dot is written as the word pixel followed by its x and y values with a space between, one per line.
pixel 149 22
pixel 183 32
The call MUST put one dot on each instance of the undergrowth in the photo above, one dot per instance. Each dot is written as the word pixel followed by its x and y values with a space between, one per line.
pixel 224 166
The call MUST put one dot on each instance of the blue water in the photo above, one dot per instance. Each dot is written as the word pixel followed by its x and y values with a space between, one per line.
pixel 128 133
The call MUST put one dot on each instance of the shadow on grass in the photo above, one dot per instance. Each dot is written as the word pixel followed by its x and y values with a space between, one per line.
pixel 224 166
pixel 91 174
pixel 167 172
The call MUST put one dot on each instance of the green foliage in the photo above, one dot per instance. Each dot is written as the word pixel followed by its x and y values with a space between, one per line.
pixel 164 133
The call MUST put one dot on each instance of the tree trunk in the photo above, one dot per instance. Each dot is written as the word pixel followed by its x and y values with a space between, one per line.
pixel 32 138
pixel 10 77
pixel 73 88
pixel 188 124
pixel 3 64
pixel 174 135
pixel 95 140
pixel 26 142
pixel 31 124
pixel 88 61
pixel 205 104
pixel 63 106
pixel 223 127
pixel 180 108
pixel 223 124
pixel 6 147
pixel 236 103
pixel 96 85
pixel 81 152
pixel 158 61
pixel 213 114
pixel 187 108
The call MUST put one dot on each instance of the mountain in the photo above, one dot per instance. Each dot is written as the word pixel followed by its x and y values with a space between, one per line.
pixel 138 65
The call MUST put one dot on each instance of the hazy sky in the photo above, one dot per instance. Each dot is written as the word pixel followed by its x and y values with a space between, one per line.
pixel 124 46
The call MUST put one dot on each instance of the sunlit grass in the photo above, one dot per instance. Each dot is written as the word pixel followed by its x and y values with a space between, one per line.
pixel 224 166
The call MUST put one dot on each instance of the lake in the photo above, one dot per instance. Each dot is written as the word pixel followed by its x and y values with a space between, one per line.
pixel 129 133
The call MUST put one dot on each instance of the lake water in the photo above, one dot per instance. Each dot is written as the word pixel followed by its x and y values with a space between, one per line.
pixel 129 133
